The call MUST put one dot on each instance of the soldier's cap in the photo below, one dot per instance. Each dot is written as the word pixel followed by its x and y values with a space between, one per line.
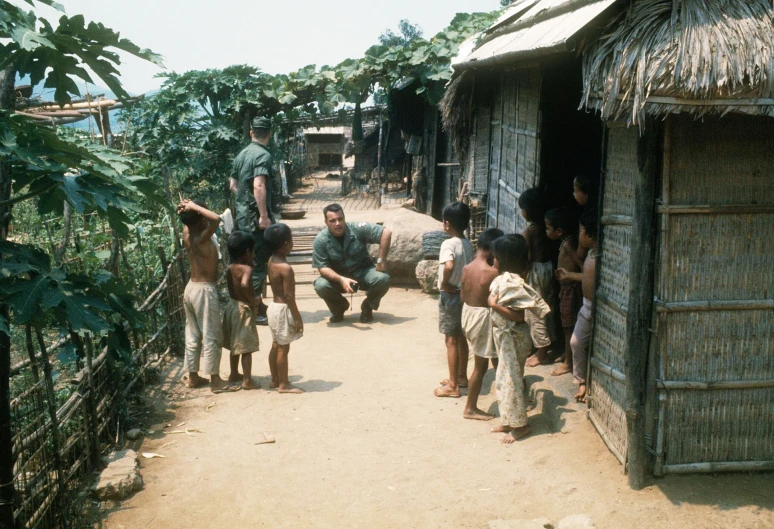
pixel 261 123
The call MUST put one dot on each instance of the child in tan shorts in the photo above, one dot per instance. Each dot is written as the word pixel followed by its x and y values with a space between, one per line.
pixel 284 319
pixel 239 333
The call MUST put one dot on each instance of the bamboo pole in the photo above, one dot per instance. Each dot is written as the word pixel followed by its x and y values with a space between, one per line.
pixel 710 386
pixel 712 305
pixel 91 410
pixel 54 419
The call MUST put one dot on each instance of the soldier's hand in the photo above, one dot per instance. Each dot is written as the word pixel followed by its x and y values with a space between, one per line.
pixel 264 223
pixel 346 284
pixel 381 267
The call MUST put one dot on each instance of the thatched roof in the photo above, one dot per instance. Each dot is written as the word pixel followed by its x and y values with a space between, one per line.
pixel 697 56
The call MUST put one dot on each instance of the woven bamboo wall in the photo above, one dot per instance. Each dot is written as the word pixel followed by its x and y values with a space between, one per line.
pixel 481 148
pixel 608 348
pixel 515 146
pixel 715 323
pixel 314 150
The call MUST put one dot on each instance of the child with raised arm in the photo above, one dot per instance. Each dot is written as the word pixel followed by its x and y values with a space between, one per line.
pixel 581 334
pixel 542 255
pixel 240 336
pixel 476 320
pixel 455 253
pixel 284 319
pixel 561 227
pixel 203 336
pixel 510 298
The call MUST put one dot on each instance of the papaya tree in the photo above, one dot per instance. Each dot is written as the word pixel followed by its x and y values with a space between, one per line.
pixel 36 163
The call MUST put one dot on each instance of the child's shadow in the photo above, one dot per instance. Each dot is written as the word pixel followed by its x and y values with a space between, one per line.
pixel 314 385
pixel 316 316
pixel 544 408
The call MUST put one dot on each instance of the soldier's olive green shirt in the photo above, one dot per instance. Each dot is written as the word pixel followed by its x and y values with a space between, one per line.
pixel 254 160
pixel 349 255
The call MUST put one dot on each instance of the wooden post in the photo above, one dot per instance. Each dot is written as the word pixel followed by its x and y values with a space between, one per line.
pixel 52 409
pixel 92 424
pixel 379 164
pixel 7 102
pixel 638 319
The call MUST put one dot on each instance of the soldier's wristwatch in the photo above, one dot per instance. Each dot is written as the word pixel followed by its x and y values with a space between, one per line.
pixel 379 260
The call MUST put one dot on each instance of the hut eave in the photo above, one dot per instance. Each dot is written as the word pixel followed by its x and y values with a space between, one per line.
pixel 698 58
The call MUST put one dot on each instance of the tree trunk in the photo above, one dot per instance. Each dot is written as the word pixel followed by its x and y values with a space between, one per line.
pixel 7 102
pixel 115 254
pixel 59 254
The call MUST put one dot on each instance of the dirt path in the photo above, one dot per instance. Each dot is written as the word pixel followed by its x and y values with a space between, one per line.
pixel 368 445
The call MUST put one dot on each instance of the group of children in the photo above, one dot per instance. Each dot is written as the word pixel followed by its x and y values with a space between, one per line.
pixel 500 302
pixel 206 332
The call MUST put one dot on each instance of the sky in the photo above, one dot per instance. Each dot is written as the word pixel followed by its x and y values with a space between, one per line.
pixel 277 36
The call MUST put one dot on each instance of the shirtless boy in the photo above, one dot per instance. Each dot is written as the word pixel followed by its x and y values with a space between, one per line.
pixel 476 321
pixel 200 301
pixel 284 319
pixel 560 226
pixel 581 335
pixel 239 333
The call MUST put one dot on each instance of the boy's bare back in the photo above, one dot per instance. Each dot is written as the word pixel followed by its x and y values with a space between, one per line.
pixel 202 254
pixel 540 246
pixel 476 278
pixel 281 275
pixel 240 285
pixel 568 255
pixel 589 274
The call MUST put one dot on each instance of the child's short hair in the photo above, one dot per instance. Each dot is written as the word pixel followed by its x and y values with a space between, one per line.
pixel 458 215
pixel 277 235
pixel 487 237
pixel 585 184
pixel 190 218
pixel 239 243
pixel 589 222
pixel 512 253
pixel 533 202
pixel 562 219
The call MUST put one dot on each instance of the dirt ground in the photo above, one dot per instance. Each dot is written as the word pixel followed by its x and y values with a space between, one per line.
pixel 368 445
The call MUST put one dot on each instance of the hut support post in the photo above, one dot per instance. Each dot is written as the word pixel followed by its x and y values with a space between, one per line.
pixel 638 320
pixel 379 164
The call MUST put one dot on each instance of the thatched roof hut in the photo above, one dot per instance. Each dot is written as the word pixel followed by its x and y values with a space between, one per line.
pixel 670 103
pixel 683 56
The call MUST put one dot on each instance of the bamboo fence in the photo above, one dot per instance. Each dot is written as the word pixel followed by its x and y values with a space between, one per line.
pixel 57 446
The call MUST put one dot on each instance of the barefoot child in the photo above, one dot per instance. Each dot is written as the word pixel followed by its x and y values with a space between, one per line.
pixel 541 276
pixel 200 300
pixel 510 298
pixel 239 333
pixel 455 253
pixel 561 227
pixel 476 321
pixel 284 319
pixel 581 335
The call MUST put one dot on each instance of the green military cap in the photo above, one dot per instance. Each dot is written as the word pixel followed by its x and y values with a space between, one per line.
pixel 261 123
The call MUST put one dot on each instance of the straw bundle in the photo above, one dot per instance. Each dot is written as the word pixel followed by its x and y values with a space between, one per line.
pixel 695 56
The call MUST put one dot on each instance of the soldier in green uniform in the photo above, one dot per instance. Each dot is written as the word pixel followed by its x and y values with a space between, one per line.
pixel 340 254
pixel 252 180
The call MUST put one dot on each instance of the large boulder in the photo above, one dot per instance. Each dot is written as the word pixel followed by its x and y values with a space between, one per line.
pixel 406 251
pixel 426 273
pixel 120 478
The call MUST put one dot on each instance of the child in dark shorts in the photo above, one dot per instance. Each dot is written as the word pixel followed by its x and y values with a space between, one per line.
pixel 560 226
pixel 456 252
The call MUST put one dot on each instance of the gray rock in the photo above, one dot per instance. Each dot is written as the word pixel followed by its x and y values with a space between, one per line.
pixel 426 273
pixel 134 434
pixel 576 521
pixel 540 523
pixel 406 250
pixel 120 478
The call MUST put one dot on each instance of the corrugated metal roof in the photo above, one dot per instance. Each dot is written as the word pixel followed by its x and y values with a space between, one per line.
pixel 326 130
pixel 553 33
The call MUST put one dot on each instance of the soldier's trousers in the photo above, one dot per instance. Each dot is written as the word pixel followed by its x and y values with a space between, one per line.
pixel 376 284
pixel 261 256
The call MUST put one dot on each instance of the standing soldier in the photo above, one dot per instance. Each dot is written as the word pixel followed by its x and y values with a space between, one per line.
pixel 252 181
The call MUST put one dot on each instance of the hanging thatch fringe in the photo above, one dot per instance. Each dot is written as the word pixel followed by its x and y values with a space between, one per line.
pixel 688 49
pixel 457 112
